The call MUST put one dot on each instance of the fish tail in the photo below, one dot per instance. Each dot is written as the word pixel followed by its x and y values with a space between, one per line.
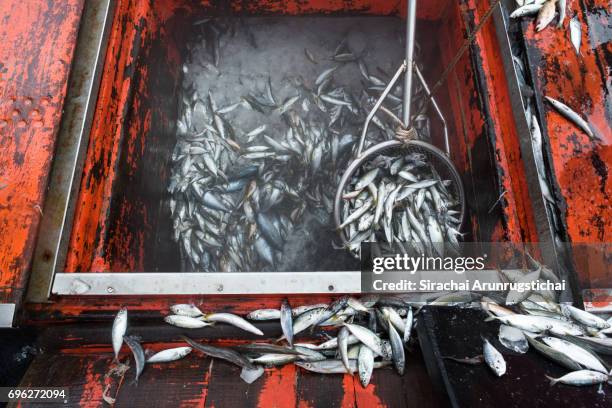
pixel 491 316
pixel 553 381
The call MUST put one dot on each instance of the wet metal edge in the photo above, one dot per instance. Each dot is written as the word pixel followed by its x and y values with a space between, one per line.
pixel 72 143
pixel 544 226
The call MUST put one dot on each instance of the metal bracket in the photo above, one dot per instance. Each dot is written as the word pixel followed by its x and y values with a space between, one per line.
pixel 172 283
pixel 233 283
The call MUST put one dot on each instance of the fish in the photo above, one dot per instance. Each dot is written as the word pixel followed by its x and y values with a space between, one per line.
pixel 286 320
pixel 366 179
pixel 526 10
pixel 310 57
pixel 233 320
pixel 119 329
pixel 551 353
pixel 494 308
pixel 365 365
pixel 537 324
pixel 476 360
pixel 357 214
pixel 189 310
pixel 545 15
pixel 333 343
pixel 367 337
pixel 133 343
pixel 213 207
pixel 397 347
pixel 576 353
pixel 568 113
pixel 226 354
pixel 307 319
pixel 575 32
pixel 562 4
pixel 264 348
pixel 274 359
pixel 580 378
pixel 601 345
pixel 334 366
pixel 515 296
pixel 493 358
pixel 408 325
pixel 168 355
pixel 308 354
pixel 186 322
pixel 343 336
pixel 325 74
pixel 584 317
pixel 268 230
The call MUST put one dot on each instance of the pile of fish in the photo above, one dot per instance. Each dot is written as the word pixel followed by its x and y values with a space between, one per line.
pixel 238 194
pixel 569 336
pixel 401 200
pixel 373 333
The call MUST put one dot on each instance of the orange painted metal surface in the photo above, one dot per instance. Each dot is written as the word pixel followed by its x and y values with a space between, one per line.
pixel 581 165
pixel 38 38
pixel 113 229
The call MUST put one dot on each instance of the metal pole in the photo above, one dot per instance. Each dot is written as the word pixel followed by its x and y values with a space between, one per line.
pixel 410 28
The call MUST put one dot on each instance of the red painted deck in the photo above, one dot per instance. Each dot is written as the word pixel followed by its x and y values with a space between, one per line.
pixel 198 381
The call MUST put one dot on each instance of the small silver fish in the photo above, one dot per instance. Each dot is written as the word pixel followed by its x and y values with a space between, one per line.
pixel 119 330
pixel 324 75
pixel 575 31
pixel 365 364
pixel 233 320
pixel 562 4
pixel 367 337
pixel 565 110
pixel 526 10
pixel 545 15
pixel 584 317
pixel 185 322
pixel 186 310
pixel 133 343
pixel 580 378
pixel 343 336
pixel 494 358
pixel 286 320
pixel 168 355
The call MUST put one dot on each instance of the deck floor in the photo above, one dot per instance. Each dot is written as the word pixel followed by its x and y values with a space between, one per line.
pixel 198 381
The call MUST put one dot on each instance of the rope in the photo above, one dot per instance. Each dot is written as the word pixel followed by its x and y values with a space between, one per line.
pixel 405 135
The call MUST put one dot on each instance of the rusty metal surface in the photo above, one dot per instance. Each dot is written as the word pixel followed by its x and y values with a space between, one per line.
pixel 38 39
pixel 581 81
pixel 116 228
pixel 71 145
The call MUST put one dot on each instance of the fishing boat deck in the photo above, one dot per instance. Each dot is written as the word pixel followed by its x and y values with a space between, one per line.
pixel 72 358
pixel 455 332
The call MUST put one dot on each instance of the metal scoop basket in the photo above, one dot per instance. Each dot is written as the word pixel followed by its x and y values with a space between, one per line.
pixel 405 142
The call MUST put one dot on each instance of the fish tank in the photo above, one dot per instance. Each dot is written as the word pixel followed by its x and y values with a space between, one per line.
pixel 221 132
